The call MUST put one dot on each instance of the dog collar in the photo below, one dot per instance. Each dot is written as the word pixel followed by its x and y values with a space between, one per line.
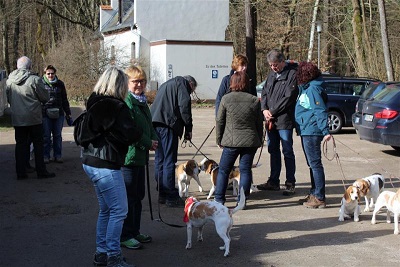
pixel 216 167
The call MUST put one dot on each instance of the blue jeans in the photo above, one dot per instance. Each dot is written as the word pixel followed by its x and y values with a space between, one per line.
pixel 134 178
pixel 165 158
pixel 228 158
pixel 275 138
pixel 111 194
pixel 52 128
pixel 312 150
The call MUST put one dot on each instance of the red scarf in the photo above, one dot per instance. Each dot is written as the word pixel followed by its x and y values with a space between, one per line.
pixel 188 205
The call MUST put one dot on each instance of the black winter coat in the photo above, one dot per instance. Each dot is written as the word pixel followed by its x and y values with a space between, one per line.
pixel 279 96
pixel 110 117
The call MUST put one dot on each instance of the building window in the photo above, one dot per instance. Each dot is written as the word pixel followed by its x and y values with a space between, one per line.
pixel 133 50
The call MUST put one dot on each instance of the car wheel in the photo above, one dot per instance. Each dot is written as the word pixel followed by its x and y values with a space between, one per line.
pixel 397 148
pixel 335 122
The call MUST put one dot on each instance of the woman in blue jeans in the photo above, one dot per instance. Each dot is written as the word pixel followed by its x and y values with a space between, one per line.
pixel 312 125
pixel 53 114
pixel 111 130
pixel 239 129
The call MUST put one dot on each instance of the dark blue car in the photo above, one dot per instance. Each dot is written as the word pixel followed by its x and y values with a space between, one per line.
pixel 378 120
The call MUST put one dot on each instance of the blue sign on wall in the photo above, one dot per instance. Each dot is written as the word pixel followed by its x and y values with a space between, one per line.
pixel 214 74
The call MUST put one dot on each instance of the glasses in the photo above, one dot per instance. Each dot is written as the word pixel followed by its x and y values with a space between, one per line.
pixel 139 81
pixel 50 73
pixel 274 65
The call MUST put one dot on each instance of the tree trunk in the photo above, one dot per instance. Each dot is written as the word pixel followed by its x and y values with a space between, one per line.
pixel 358 41
pixel 312 31
pixel 385 42
pixel 250 16
pixel 17 6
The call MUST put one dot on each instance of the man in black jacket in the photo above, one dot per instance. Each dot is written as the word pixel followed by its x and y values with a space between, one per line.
pixel 278 102
pixel 171 114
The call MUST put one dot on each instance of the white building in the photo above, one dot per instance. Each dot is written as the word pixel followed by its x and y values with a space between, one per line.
pixel 170 38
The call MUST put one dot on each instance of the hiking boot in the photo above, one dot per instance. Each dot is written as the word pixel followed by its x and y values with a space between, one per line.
pixel 131 244
pixel 142 238
pixel 177 203
pixel 304 199
pixel 100 259
pixel 314 203
pixel 289 189
pixel 118 261
pixel 268 186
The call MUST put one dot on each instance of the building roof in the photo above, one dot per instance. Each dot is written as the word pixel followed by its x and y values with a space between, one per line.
pixel 113 24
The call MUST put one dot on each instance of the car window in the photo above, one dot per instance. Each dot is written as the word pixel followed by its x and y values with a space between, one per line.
pixel 387 93
pixel 331 87
pixel 369 89
pixel 353 88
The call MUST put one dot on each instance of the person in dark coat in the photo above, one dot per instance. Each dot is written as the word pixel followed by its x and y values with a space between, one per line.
pixel 171 114
pixel 54 112
pixel 239 128
pixel 278 102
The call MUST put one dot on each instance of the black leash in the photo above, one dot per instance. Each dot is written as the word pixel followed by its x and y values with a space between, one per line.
pixel 183 145
pixel 262 145
pixel 198 150
pixel 150 205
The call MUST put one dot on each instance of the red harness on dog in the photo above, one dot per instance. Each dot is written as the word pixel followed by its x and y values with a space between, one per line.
pixel 188 205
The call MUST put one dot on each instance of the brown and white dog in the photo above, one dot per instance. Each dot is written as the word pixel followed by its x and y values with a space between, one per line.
pixel 198 213
pixel 349 204
pixel 211 167
pixel 185 172
pixel 392 202
pixel 369 188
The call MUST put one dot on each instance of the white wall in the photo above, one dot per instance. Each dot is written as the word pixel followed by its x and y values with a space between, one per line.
pixel 122 43
pixel 199 61
pixel 182 19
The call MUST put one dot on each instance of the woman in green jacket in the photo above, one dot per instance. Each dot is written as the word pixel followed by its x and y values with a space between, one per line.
pixel 137 158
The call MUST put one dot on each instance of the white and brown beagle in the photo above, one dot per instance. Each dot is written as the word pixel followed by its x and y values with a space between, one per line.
pixel 350 204
pixel 369 188
pixel 185 172
pixel 198 213
pixel 211 167
pixel 392 202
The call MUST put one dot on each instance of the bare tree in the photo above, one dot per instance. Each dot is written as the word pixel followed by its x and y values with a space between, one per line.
pixel 250 15
pixel 385 42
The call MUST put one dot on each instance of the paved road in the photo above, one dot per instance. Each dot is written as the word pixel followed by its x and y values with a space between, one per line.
pixel 52 222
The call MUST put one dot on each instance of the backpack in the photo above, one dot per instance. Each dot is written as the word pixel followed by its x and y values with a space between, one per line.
pixel 83 136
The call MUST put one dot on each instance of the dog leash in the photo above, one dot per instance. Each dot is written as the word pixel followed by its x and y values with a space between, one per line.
pixel 183 145
pixel 335 156
pixel 159 219
pixel 262 145
pixel 195 154
pixel 391 176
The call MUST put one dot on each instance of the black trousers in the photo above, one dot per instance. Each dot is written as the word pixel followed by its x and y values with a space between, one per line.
pixel 24 135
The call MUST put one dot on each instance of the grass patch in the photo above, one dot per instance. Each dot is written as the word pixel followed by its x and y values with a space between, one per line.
pixel 5 123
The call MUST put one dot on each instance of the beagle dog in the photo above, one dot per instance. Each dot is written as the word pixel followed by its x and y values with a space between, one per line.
pixel 198 213
pixel 369 188
pixel 211 167
pixel 185 172
pixel 392 202
pixel 349 204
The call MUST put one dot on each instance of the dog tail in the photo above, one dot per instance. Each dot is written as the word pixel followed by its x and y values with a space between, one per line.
pixel 241 203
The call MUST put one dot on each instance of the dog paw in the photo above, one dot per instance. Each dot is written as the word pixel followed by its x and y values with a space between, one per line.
pixel 356 219
pixel 200 189
pixel 222 248
pixel 341 219
pixel 373 221
pixel 226 254
pixel 188 246
pixel 396 232
pixel 366 209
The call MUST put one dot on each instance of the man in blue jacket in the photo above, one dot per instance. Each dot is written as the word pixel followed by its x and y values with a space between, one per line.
pixel 171 114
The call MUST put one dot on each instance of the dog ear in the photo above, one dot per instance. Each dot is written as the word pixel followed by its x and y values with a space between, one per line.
pixel 346 195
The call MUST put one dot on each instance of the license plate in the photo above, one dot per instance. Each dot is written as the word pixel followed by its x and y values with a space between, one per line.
pixel 368 117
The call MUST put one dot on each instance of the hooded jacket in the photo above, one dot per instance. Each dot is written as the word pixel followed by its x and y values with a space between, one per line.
pixel 311 115
pixel 279 96
pixel 109 118
pixel 172 106
pixel 26 93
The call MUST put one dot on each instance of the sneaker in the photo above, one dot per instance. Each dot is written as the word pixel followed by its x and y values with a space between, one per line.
pixel 46 160
pixel 304 199
pixel 268 186
pixel 100 259
pixel 58 160
pixel 314 203
pixel 118 261
pixel 289 189
pixel 177 203
pixel 131 244
pixel 142 238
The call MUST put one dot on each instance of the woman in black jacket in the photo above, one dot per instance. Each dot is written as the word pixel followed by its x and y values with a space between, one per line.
pixel 113 130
